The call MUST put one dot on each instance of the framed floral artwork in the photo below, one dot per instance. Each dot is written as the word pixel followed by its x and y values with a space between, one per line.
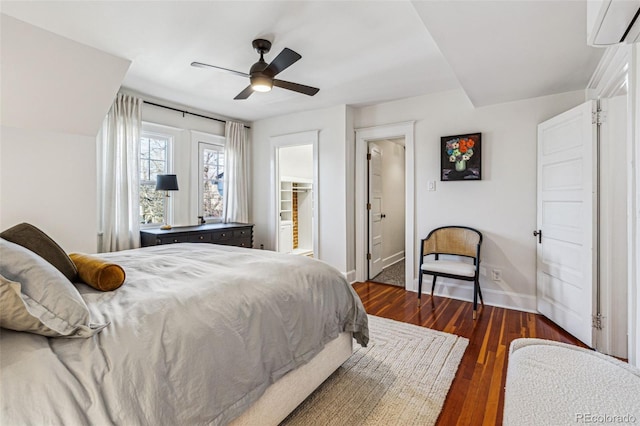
pixel 460 157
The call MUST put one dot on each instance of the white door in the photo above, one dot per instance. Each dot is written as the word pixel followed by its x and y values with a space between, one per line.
pixel 567 220
pixel 375 210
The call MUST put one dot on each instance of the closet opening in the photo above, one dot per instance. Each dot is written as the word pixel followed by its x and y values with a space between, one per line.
pixel 295 191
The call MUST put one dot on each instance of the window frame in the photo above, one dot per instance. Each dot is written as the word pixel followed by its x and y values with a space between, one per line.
pixel 170 135
pixel 199 141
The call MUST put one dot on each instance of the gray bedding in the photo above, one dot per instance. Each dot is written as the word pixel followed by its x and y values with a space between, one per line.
pixel 197 333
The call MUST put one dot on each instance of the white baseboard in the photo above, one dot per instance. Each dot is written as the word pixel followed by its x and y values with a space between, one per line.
pixel 350 276
pixel 394 258
pixel 498 298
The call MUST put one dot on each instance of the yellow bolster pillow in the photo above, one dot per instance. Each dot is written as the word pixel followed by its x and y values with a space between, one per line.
pixel 98 273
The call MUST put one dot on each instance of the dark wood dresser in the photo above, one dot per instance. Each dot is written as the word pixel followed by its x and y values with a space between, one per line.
pixel 230 234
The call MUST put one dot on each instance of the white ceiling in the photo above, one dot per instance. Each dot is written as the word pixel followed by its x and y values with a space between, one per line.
pixel 356 52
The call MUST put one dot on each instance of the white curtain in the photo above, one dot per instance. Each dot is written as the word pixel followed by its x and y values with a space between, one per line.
pixel 236 174
pixel 118 173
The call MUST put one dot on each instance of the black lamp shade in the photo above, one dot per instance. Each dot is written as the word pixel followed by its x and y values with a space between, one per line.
pixel 167 183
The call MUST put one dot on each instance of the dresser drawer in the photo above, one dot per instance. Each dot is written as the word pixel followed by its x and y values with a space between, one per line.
pixel 245 242
pixel 204 237
pixel 221 236
pixel 242 233
pixel 174 239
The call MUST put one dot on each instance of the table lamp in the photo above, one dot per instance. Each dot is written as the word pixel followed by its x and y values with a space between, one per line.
pixel 166 183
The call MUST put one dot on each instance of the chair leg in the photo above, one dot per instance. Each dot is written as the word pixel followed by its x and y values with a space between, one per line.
pixel 433 285
pixel 475 299
pixel 480 292
pixel 419 286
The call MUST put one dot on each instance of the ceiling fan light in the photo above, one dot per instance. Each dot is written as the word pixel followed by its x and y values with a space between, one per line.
pixel 261 83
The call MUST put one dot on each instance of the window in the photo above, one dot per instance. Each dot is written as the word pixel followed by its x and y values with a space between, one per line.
pixel 211 186
pixel 154 160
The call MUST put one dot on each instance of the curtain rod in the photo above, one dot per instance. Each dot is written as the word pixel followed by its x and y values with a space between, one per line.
pixel 187 112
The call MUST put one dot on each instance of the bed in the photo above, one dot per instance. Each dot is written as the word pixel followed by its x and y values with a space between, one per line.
pixel 197 334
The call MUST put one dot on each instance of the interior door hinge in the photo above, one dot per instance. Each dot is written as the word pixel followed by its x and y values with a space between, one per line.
pixel 368 156
pixel 368 256
pixel 596 321
pixel 368 206
pixel 598 117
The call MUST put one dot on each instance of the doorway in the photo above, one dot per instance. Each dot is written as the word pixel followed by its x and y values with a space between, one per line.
pixel 295 193
pixel 386 205
pixel 295 180
pixel 404 131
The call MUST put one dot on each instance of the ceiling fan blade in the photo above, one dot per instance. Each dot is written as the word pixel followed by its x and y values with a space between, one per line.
pixel 301 88
pixel 201 65
pixel 284 60
pixel 245 93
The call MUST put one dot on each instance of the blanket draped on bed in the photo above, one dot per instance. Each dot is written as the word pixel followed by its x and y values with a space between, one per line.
pixel 197 333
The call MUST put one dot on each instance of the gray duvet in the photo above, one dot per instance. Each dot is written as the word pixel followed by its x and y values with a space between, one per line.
pixel 197 333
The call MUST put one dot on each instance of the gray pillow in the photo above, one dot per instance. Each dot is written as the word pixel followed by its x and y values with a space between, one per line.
pixel 34 239
pixel 37 298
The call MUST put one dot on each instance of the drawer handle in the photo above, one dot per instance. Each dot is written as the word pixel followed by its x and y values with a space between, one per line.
pixel 224 235
pixel 201 237
pixel 242 245
pixel 175 240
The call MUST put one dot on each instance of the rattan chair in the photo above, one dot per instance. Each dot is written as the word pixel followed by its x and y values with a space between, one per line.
pixel 452 240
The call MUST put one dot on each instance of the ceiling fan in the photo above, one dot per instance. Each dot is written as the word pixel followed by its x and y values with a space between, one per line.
pixel 262 74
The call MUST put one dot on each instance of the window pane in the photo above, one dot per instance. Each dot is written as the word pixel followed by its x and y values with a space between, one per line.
pixel 157 149
pixel 153 161
pixel 151 204
pixel 213 182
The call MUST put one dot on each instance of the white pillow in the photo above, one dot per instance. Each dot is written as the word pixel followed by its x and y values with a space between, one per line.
pixel 37 298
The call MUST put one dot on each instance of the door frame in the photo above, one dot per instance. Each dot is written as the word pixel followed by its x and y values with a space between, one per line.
pixel 283 141
pixel 614 72
pixel 365 135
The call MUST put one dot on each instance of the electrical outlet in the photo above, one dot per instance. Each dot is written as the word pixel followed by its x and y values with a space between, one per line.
pixel 431 185
pixel 496 274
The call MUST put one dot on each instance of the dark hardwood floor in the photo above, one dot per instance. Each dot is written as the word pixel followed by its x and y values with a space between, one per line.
pixel 476 396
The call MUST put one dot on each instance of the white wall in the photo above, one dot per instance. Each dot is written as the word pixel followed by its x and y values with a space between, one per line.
pixel 296 161
pixel 55 94
pixel 331 123
pixel 50 82
pixel 393 202
pixel 634 212
pixel 503 205
pixel 48 179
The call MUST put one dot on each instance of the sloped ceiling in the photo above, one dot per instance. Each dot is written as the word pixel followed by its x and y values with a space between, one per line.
pixel 356 52
pixel 49 82
pixel 506 50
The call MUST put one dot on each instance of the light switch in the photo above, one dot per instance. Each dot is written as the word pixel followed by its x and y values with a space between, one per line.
pixel 431 185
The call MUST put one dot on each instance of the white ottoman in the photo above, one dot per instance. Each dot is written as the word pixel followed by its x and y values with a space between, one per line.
pixel 552 383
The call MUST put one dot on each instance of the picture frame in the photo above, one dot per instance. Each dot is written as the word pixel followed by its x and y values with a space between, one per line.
pixel 460 157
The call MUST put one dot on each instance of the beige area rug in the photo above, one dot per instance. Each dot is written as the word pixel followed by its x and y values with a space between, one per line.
pixel 401 378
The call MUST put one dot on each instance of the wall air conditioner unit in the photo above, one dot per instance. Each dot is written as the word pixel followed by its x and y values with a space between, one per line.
pixel 613 21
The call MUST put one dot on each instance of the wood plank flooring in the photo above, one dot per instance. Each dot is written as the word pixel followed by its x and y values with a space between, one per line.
pixel 476 396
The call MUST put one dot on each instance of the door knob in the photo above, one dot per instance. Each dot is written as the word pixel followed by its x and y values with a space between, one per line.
pixel 382 216
pixel 538 233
